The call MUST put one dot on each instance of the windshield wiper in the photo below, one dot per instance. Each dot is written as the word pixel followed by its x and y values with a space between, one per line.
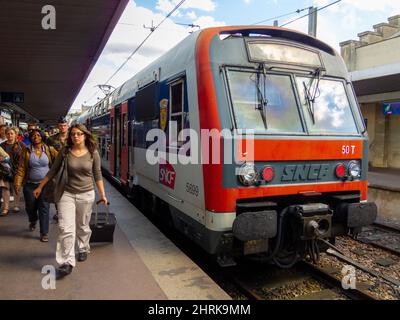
pixel 311 96
pixel 261 98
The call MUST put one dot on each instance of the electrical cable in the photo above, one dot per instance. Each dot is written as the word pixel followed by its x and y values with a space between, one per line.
pixel 285 24
pixel 283 15
pixel 145 39
pixel 140 45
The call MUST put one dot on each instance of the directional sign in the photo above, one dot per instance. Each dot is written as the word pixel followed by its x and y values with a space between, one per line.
pixel 391 108
pixel 12 97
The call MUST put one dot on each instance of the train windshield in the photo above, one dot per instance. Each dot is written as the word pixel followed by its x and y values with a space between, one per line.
pixel 260 102
pixel 326 106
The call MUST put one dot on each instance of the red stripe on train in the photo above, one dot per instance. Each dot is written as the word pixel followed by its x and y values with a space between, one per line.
pixel 228 197
pixel 284 150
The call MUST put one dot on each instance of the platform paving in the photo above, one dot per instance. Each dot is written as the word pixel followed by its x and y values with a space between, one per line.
pixel 111 271
pixel 178 276
pixel 141 264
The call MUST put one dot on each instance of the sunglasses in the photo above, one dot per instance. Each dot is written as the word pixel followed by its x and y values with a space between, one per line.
pixel 77 134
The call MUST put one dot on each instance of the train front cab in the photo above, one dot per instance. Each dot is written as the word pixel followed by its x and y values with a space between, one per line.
pixel 307 177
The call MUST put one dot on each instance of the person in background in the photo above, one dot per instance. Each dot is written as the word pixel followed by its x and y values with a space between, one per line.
pixel 31 126
pixel 18 133
pixel 13 147
pixel 5 166
pixel 3 133
pixel 58 141
pixel 2 138
pixel 34 163
pixel 75 205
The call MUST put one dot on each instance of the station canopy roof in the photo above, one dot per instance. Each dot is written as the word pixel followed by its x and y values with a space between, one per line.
pixel 50 66
pixel 376 80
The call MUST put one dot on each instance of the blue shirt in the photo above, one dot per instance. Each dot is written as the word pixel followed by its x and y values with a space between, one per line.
pixel 38 167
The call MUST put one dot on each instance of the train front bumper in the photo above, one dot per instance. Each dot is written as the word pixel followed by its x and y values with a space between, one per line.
pixel 360 214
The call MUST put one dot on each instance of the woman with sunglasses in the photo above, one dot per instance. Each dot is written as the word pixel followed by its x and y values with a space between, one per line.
pixel 34 163
pixel 75 205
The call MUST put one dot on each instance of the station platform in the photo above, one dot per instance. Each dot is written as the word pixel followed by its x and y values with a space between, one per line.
pixel 384 190
pixel 141 264
pixel 384 178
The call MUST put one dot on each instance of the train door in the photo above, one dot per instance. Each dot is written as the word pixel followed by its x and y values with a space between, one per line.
pixel 124 163
pixel 115 148
pixel 117 142
pixel 111 145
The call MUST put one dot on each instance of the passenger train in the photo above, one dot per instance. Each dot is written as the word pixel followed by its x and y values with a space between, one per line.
pixel 280 138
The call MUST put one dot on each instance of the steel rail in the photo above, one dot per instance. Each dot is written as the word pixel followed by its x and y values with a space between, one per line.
pixel 331 281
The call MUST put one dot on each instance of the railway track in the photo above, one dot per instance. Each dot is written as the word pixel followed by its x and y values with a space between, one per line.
pixel 305 281
pixel 374 255
pixel 377 269
pixel 381 236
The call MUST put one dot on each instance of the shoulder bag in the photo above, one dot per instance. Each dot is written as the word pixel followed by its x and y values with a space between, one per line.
pixel 54 188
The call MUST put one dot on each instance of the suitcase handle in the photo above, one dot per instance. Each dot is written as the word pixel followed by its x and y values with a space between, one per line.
pixel 97 211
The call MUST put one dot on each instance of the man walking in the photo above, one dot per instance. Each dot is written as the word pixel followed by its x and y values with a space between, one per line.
pixel 58 141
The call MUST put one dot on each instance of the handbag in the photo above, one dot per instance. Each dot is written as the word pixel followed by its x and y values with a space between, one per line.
pixel 7 171
pixel 55 187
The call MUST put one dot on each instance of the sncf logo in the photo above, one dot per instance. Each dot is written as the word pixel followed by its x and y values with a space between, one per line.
pixel 167 175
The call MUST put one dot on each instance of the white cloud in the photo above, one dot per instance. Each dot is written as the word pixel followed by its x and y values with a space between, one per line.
pixel 191 15
pixel 360 5
pixel 129 33
pixel 126 37
pixel 165 6
pixel 208 21
pixel 324 31
pixel 205 5
pixel 247 1
pixel 344 20
pixel 373 5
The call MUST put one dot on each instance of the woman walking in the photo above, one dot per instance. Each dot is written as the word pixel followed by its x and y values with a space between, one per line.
pixel 5 176
pixel 14 148
pixel 33 166
pixel 75 205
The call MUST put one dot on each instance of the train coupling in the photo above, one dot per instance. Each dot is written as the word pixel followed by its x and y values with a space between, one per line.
pixel 315 220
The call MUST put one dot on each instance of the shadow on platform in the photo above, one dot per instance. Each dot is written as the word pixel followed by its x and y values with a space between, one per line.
pixel 112 271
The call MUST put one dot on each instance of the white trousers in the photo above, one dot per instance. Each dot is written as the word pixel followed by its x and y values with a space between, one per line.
pixel 74 212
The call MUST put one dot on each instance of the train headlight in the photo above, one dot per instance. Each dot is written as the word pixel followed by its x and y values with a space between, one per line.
pixel 354 169
pixel 247 174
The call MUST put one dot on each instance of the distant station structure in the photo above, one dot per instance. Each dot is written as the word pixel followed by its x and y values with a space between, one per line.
pixel 374 64
pixel 47 52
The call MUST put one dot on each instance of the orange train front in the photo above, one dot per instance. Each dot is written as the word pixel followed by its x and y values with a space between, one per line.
pixel 265 146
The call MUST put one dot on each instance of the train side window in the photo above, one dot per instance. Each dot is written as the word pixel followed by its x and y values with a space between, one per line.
pixel 146 103
pixel 108 142
pixel 99 144
pixel 176 109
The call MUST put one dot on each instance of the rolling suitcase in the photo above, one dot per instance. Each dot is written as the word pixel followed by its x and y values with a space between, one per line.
pixel 102 225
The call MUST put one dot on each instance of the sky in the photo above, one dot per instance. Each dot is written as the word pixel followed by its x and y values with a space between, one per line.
pixel 337 23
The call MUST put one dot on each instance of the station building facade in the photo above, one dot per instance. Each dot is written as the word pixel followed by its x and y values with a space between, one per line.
pixel 374 65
